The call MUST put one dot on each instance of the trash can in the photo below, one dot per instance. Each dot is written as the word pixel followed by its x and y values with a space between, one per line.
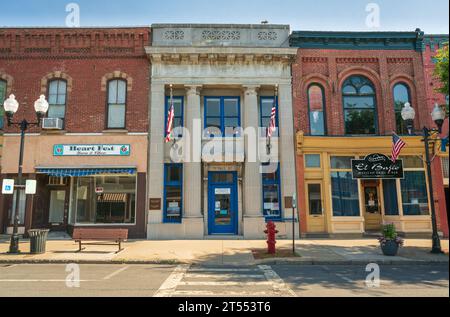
pixel 38 240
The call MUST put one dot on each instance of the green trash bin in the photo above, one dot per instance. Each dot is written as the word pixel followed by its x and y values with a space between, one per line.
pixel 38 240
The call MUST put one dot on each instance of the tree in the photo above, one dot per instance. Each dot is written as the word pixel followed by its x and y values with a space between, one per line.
pixel 441 70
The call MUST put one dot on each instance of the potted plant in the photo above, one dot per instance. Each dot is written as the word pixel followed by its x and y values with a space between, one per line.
pixel 390 242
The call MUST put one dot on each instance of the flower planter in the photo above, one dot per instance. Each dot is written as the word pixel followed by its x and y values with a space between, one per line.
pixel 390 248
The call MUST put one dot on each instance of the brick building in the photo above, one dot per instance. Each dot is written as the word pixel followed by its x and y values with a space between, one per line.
pixel 90 157
pixel 348 93
pixel 432 43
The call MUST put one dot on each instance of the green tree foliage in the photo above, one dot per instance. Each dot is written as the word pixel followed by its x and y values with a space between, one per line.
pixel 441 71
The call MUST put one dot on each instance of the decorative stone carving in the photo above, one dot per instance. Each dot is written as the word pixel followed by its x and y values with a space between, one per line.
pixel 221 35
pixel 174 35
pixel 267 36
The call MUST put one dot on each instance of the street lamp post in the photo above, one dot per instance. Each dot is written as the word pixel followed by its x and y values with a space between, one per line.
pixel 430 136
pixel 11 106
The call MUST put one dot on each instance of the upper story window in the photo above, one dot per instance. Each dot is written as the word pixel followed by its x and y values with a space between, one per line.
pixel 117 96
pixel 316 107
pixel 57 96
pixel 359 101
pixel 222 116
pixel 178 120
pixel 267 104
pixel 401 97
pixel 2 100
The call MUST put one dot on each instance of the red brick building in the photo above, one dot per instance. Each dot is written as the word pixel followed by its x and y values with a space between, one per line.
pixel 348 93
pixel 432 43
pixel 90 156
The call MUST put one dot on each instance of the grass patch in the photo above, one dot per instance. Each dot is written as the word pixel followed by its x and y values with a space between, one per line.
pixel 261 254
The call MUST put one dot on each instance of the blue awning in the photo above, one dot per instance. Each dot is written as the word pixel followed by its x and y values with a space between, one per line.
pixel 78 172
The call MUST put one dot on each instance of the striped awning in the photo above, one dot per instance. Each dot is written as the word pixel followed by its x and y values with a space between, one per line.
pixel 78 172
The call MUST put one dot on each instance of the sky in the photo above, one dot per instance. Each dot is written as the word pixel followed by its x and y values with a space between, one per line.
pixel 321 15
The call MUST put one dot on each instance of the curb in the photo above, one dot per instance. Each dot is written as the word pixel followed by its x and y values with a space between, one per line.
pixel 257 262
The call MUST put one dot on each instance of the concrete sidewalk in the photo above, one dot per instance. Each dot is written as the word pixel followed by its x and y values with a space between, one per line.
pixel 228 252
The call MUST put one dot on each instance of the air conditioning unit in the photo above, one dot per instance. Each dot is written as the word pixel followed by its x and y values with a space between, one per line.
pixel 52 124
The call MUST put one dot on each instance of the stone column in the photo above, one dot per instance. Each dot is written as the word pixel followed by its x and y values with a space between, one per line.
pixel 155 174
pixel 253 223
pixel 192 181
pixel 287 148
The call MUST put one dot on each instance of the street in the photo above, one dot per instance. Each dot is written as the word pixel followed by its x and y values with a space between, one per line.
pixel 108 280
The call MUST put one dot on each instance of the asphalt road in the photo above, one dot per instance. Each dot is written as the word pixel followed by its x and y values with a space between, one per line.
pixel 191 281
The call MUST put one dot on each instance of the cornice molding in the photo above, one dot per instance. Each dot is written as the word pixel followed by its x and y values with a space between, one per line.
pixel 224 55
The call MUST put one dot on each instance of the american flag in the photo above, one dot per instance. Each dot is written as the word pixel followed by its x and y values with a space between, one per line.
pixel 272 123
pixel 170 118
pixel 397 146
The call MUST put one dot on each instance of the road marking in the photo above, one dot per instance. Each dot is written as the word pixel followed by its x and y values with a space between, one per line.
pixel 46 281
pixel 345 278
pixel 219 270
pixel 221 294
pixel 115 273
pixel 227 276
pixel 224 283
pixel 278 284
pixel 168 288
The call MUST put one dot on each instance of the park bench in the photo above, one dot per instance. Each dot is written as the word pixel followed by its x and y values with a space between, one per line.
pixel 100 235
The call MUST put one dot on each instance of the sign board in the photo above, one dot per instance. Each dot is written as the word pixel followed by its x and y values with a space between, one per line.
pixel 155 204
pixel 99 190
pixel 377 166
pixel 288 202
pixel 92 150
pixel 8 187
pixel 30 187
pixel 223 191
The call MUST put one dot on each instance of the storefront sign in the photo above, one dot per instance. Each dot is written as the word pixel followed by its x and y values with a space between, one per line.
pixel 99 190
pixel 377 166
pixel 92 150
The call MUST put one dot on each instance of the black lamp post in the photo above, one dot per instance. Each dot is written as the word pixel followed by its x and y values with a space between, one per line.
pixel 11 106
pixel 431 136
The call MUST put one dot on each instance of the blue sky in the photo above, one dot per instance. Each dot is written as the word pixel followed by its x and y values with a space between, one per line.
pixel 330 15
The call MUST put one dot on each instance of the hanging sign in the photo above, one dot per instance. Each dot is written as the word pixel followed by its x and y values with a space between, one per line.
pixel 92 150
pixel 377 166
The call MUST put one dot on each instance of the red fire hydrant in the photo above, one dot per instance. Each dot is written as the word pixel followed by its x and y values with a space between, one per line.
pixel 271 239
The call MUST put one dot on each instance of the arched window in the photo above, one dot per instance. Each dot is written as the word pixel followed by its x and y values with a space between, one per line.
pixel 401 96
pixel 117 96
pixel 57 93
pixel 359 101
pixel 316 107
pixel 2 100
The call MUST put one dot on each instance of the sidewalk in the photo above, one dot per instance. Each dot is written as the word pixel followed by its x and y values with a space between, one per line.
pixel 214 253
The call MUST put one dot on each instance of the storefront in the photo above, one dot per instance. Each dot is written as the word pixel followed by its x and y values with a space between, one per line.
pixel 82 181
pixel 223 80
pixel 339 201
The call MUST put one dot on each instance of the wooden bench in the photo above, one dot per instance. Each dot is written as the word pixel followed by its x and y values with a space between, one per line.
pixel 92 234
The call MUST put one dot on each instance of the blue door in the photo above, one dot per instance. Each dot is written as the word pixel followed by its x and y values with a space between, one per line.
pixel 222 203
